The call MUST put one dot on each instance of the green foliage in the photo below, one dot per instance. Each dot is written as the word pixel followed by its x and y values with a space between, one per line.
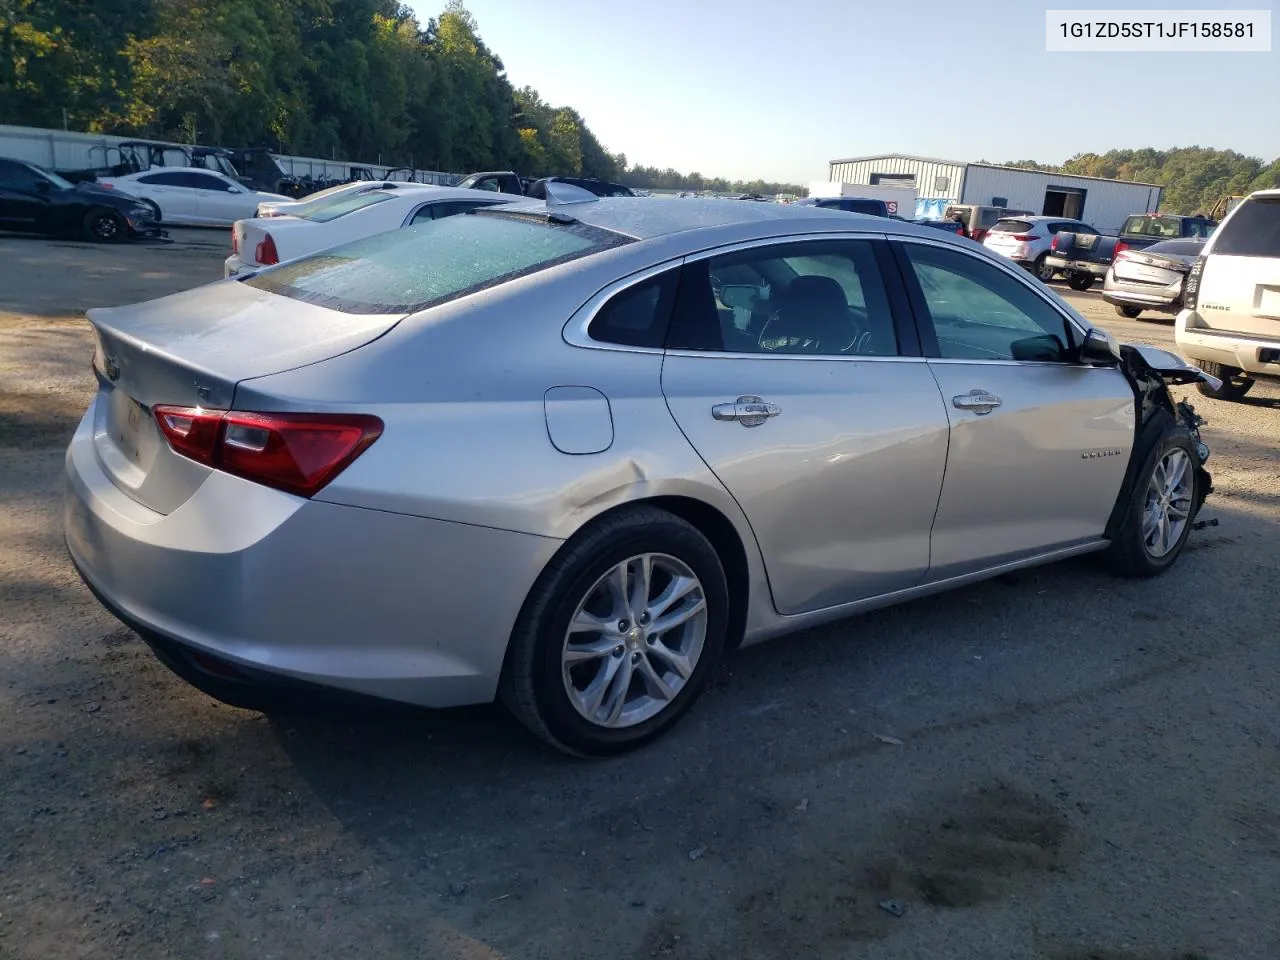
pixel 364 80
pixel 1194 178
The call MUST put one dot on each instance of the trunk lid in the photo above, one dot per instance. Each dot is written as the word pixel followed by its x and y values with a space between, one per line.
pixel 292 237
pixel 1150 268
pixel 191 349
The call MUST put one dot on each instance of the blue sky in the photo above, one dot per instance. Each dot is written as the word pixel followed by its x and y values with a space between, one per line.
pixel 748 88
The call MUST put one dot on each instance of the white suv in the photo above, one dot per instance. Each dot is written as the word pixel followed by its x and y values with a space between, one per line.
pixel 1027 240
pixel 1230 323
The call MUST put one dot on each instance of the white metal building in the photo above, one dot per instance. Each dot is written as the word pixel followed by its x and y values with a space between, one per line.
pixel 1100 202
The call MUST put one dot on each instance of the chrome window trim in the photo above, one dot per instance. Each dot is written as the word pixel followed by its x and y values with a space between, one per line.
pixel 575 330
pixel 415 211
pixel 1020 275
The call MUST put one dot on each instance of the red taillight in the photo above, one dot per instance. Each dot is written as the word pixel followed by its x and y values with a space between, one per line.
pixel 295 452
pixel 1023 237
pixel 235 243
pixel 1121 247
pixel 1053 244
pixel 266 254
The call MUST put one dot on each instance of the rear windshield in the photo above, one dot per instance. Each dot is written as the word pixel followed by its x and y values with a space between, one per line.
pixel 1177 248
pixel 1013 226
pixel 416 267
pixel 1148 226
pixel 337 207
pixel 854 205
pixel 1252 231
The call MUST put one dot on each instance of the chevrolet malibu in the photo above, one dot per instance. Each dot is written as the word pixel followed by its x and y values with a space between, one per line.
pixel 568 454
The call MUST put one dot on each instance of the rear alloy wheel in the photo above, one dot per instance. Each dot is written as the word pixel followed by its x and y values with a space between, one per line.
pixel 105 226
pixel 1042 269
pixel 1161 509
pixel 1129 313
pixel 619 635
pixel 1234 382
pixel 1079 280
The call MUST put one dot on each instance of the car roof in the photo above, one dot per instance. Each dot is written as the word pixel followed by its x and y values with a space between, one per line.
pixel 1039 218
pixel 419 190
pixel 644 218
pixel 151 170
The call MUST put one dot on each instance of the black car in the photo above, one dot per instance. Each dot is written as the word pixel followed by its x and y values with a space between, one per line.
pixel 35 200
pixel 872 208
pixel 601 188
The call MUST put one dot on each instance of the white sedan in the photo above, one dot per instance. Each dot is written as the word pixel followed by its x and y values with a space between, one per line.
pixel 189 195
pixel 341 218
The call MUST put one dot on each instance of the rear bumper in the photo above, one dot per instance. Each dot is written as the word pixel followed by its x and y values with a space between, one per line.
pixel 233 266
pixel 265 589
pixel 1149 297
pixel 1077 266
pixel 1253 353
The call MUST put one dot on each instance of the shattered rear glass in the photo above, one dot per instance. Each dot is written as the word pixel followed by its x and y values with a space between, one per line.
pixel 407 270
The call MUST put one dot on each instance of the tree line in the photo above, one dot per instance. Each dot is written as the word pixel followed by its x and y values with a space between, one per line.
pixel 364 80
pixel 1193 178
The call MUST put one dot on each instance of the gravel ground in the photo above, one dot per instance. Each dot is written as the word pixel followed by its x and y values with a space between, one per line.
pixel 1055 765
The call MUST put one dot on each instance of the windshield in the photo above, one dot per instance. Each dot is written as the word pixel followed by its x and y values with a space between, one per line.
pixel 331 191
pixel 58 181
pixel 407 270
pixel 1152 226
pixel 335 207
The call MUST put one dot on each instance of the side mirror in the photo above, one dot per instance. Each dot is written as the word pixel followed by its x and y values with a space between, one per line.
pixel 1099 349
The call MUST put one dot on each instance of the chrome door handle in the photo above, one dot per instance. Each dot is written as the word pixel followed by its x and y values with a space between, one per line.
pixel 750 411
pixel 979 401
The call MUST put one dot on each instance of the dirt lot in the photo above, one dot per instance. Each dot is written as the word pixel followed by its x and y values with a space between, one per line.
pixel 1056 765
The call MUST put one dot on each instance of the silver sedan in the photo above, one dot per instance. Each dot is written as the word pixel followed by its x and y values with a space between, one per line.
pixel 570 453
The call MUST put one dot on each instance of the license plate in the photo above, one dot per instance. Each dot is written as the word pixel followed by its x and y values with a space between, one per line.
pixel 1269 302
pixel 1152 274
pixel 127 417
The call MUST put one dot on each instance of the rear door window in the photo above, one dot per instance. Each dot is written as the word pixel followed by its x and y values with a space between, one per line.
pixel 428 263
pixel 164 180
pixel 203 181
pixel 806 298
pixel 1252 231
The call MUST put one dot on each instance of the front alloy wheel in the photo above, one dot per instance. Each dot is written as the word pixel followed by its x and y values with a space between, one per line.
pixel 1168 504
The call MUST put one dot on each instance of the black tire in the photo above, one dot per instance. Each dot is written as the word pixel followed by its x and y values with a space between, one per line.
pixel 1128 554
pixel 1234 382
pixel 155 209
pixel 105 226
pixel 1042 269
pixel 1079 280
pixel 533 683
pixel 1129 313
